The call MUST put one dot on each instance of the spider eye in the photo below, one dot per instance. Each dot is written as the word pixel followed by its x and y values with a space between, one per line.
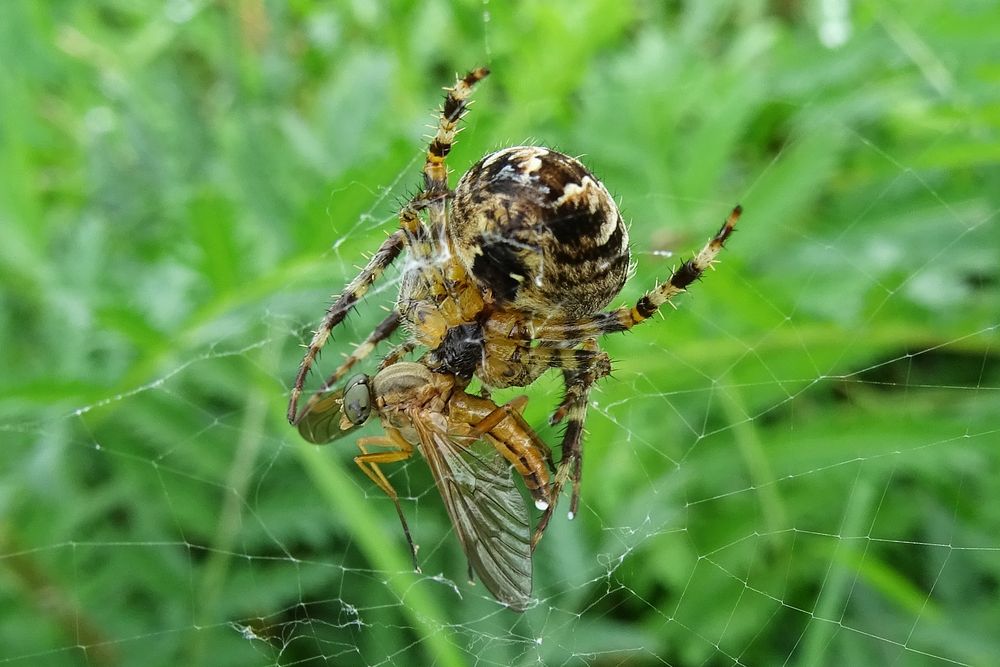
pixel 357 400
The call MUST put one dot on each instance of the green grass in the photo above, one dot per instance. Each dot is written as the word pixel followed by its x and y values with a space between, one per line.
pixel 798 466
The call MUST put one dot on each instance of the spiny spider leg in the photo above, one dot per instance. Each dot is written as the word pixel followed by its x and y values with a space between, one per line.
pixel 625 318
pixel 579 382
pixel 455 105
pixel 383 257
pixel 384 329
pixel 541 358
pixel 411 233
pixel 574 408
pixel 396 354
pixel 436 176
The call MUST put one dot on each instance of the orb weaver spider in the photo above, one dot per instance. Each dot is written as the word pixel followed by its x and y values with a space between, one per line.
pixel 510 280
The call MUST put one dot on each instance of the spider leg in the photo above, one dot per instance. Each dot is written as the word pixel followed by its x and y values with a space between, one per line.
pixel 356 289
pixel 369 464
pixel 379 334
pixel 513 363
pixel 543 357
pixel 396 354
pixel 455 105
pixel 411 232
pixel 443 279
pixel 625 318
pixel 573 408
pixel 579 381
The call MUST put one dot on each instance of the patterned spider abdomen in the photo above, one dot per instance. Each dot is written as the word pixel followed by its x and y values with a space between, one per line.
pixel 541 232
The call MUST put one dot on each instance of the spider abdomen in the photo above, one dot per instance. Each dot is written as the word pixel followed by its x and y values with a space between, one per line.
pixel 540 232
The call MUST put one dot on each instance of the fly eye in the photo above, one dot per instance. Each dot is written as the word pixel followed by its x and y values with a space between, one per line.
pixel 357 400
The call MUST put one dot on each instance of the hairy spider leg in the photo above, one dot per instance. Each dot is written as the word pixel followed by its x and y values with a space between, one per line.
pixel 533 361
pixel 455 298
pixel 381 332
pixel 336 313
pixel 455 105
pixel 625 318
pixel 579 381
pixel 412 234
pixel 396 354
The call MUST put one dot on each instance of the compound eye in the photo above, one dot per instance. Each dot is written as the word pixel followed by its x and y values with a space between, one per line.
pixel 357 400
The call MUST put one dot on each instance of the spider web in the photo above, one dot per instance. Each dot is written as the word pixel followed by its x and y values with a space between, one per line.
pixel 796 466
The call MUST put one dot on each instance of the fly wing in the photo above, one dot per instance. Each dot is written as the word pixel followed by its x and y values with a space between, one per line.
pixel 488 512
pixel 321 422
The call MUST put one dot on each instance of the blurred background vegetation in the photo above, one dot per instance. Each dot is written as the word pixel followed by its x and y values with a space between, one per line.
pixel 798 466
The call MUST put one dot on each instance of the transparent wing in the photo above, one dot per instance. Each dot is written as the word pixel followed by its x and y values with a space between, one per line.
pixel 321 423
pixel 489 514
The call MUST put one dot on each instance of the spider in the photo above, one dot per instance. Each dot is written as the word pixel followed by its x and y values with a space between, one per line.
pixel 434 293
pixel 461 436
pixel 510 280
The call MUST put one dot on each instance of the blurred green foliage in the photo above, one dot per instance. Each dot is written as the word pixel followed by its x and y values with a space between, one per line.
pixel 799 466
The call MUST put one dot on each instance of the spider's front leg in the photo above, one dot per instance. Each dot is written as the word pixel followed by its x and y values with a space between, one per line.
pixel 579 381
pixel 411 232
pixel 509 359
pixel 381 332
pixel 455 105
pixel 383 257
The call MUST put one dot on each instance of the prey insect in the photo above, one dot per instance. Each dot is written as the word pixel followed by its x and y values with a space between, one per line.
pixel 469 444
